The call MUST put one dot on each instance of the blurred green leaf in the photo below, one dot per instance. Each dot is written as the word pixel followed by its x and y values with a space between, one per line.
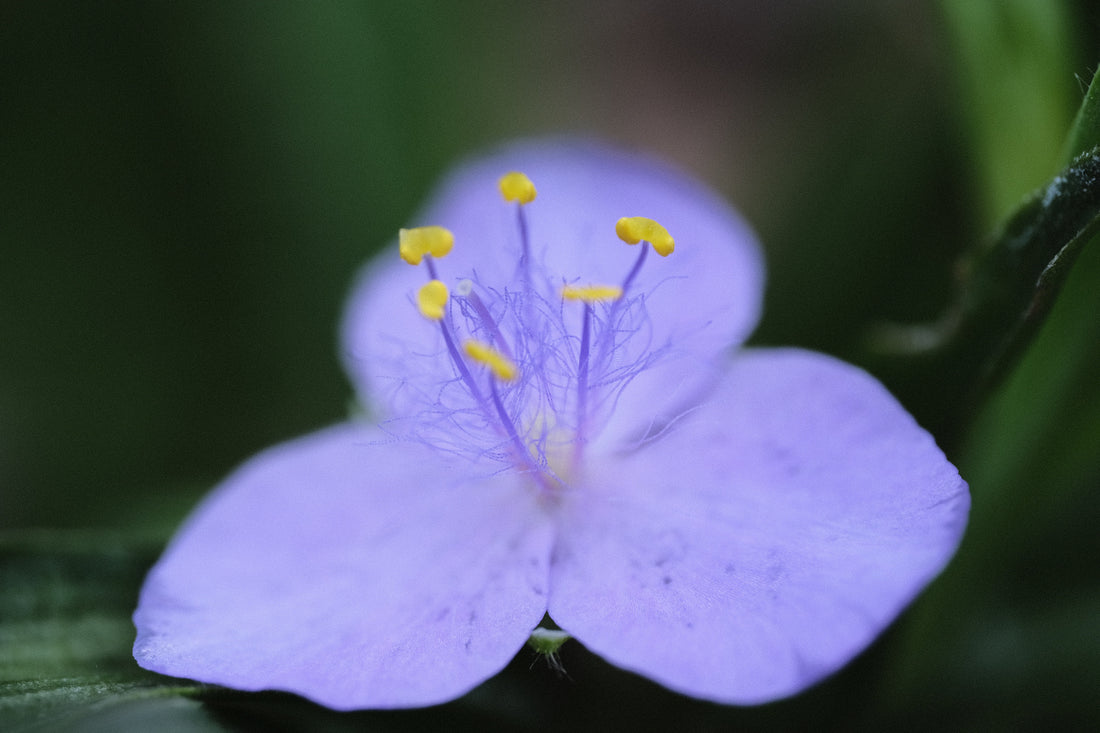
pixel 1028 668
pixel 1009 637
pixel 945 369
pixel 1085 132
pixel 1013 60
pixel 168 168
pixel 1015 81
pixel 65 602
pixel 65 633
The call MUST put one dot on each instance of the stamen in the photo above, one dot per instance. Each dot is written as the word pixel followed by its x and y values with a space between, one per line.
pixel 481 353
pixel 523 455
pixel 431 299
pixel 472 335
pixel 501 366
pixel 634 229
pixel 417 242
pixel 582 372
pixel 635 269
pixel 591 293
pixel 515 186
pixel 587 294
pixel 483 314
pixel 429 262
pixel 504 370
pixel 460 363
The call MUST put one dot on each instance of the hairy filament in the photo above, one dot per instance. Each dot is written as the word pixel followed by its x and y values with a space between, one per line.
pixel 582 374
pixel 488 323
pixel 522 454
pixel 636 269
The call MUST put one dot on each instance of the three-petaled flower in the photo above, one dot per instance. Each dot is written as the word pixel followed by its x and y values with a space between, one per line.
pixel 560 428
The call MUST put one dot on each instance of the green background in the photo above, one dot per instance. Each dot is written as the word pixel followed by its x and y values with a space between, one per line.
pixel 187 190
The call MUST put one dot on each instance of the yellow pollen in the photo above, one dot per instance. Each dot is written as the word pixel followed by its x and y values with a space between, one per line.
pixel 420 241
pixel 431 299
pixel 515 186
pixel 634 229
pixel 591 293
pixel 498 363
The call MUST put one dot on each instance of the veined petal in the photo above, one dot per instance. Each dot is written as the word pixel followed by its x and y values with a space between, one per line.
pixel 355 573
pixel 763 540
pixel 701 300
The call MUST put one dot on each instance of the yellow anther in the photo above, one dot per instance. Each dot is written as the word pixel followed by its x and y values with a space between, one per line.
pixel 431 299
pixel 485 354
pixel 515 186
pixel 591 293
pixel 415 243
pixel 634 229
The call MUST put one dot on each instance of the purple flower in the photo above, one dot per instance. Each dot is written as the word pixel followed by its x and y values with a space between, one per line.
pixel 558 426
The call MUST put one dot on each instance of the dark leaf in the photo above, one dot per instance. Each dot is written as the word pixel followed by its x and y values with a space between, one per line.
pixel 943 370
pixel 65 636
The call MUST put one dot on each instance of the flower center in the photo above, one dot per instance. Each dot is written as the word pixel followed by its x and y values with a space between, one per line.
pixel 535 376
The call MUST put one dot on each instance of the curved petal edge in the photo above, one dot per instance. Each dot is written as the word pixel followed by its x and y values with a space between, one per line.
pixel 351 571
pixel 762 540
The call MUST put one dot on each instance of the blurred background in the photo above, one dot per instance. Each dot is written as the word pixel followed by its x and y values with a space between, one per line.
pixel 187 190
